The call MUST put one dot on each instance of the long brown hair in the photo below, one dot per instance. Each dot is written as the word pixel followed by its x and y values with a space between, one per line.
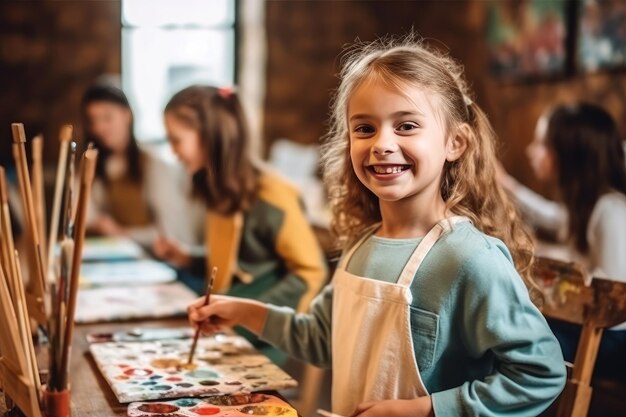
pixel 590 161
pixel 99 93
pixel 468 186
pixel 229 180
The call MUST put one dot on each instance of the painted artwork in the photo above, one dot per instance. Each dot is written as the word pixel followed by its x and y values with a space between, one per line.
pixel 527 38
pixel 110 249
pixel 106 304
pixel 125 273
pixel 602 34
pixel 223 364
pixel 218 406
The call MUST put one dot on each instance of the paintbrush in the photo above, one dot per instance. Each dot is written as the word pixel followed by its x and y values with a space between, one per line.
pixel 65 136
pixel 325 413
pixel 88 168
pixel 207 298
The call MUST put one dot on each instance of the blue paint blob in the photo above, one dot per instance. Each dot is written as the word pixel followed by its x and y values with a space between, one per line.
pixel 156 377
pixel 202 374
pixel 149 383
pixel 186 402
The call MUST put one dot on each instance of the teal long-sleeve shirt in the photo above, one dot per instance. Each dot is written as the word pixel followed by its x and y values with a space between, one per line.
pixel 482 347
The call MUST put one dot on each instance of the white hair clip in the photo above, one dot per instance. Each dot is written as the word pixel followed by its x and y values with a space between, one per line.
pixel 468 101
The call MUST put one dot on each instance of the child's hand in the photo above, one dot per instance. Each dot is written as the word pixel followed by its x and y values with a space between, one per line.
pixel 106 226
pixel 171 252
pixel 419 407
pixel 224 311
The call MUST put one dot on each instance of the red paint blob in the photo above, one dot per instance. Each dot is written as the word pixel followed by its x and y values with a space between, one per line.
pixel 137 372
pixel 206 411
pixel 123 365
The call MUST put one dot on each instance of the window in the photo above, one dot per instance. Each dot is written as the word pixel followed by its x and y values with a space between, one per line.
pixel 168 45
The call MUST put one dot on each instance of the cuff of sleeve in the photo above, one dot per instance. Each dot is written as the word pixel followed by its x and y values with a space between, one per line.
pixel 448 403
pixel 277 321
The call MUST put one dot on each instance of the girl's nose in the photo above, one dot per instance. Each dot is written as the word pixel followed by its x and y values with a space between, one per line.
pixel 384 144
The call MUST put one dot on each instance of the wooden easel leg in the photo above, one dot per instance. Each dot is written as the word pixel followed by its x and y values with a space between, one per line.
pixel 577 393
pixel 310 390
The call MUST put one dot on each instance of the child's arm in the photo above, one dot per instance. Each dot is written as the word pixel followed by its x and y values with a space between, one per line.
pixel 304 336
pixel 497 318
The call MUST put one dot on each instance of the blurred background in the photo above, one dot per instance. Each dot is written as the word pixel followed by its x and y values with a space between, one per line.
pixel 520 57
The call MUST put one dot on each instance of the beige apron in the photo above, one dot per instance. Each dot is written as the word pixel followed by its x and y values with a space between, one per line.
pixel 372 349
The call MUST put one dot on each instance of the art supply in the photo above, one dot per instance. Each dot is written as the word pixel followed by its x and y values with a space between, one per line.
pixel 8 246
pixel 87 173
pixel 108 304
pixel 224 364
pixel 67 208
pixel 218 406
pixel 141 335
pixel 207 299
pixel 37 282
pixel 325 413
pixel 39 197
pixel 65 136
pixel 108 249
pixel 125 273
pixel 18 360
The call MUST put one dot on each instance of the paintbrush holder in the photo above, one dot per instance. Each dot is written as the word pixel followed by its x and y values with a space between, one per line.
pixel 56 403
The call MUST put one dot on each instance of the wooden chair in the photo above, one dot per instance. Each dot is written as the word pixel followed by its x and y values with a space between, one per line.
pixel 569 294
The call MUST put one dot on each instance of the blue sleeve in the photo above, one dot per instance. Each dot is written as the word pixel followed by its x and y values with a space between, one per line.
pixel 499 319
pixel 305 336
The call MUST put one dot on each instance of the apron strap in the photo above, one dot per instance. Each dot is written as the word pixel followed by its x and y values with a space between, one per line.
pixel 426 244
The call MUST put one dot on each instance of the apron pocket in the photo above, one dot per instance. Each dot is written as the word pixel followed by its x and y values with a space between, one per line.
pixel 424 330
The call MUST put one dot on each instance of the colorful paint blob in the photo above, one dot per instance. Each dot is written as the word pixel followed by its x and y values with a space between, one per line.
pixel 138 372
pixel 202 373
pixel 160 408
pixel 186 402
pixel 206 411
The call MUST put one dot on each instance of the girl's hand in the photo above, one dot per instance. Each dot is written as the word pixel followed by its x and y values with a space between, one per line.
pixel 419 407
pixel 106 226
pixel 171 252
pixel 224 311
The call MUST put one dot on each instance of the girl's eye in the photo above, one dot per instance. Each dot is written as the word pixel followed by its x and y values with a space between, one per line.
pixel 364 129
pixel 406 126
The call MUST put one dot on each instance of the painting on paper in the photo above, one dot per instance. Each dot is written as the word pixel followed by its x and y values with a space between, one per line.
pixel 106 304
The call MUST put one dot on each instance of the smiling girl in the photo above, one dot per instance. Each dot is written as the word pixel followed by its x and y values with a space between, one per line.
pixel 426 313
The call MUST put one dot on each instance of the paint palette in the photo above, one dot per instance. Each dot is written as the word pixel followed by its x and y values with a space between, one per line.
pixel 223 364
pixel 105 304
pixel 219 406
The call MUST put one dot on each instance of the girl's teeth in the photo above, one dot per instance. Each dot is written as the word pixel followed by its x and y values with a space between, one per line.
pixel 388 170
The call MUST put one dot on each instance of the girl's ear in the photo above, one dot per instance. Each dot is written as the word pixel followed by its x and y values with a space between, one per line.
pixel 458 143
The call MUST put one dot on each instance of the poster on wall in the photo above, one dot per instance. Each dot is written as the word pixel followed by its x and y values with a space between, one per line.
pixel 602 35
pixel 527 38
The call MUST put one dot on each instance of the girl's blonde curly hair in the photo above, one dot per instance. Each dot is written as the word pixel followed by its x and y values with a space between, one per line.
pixel 469 185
